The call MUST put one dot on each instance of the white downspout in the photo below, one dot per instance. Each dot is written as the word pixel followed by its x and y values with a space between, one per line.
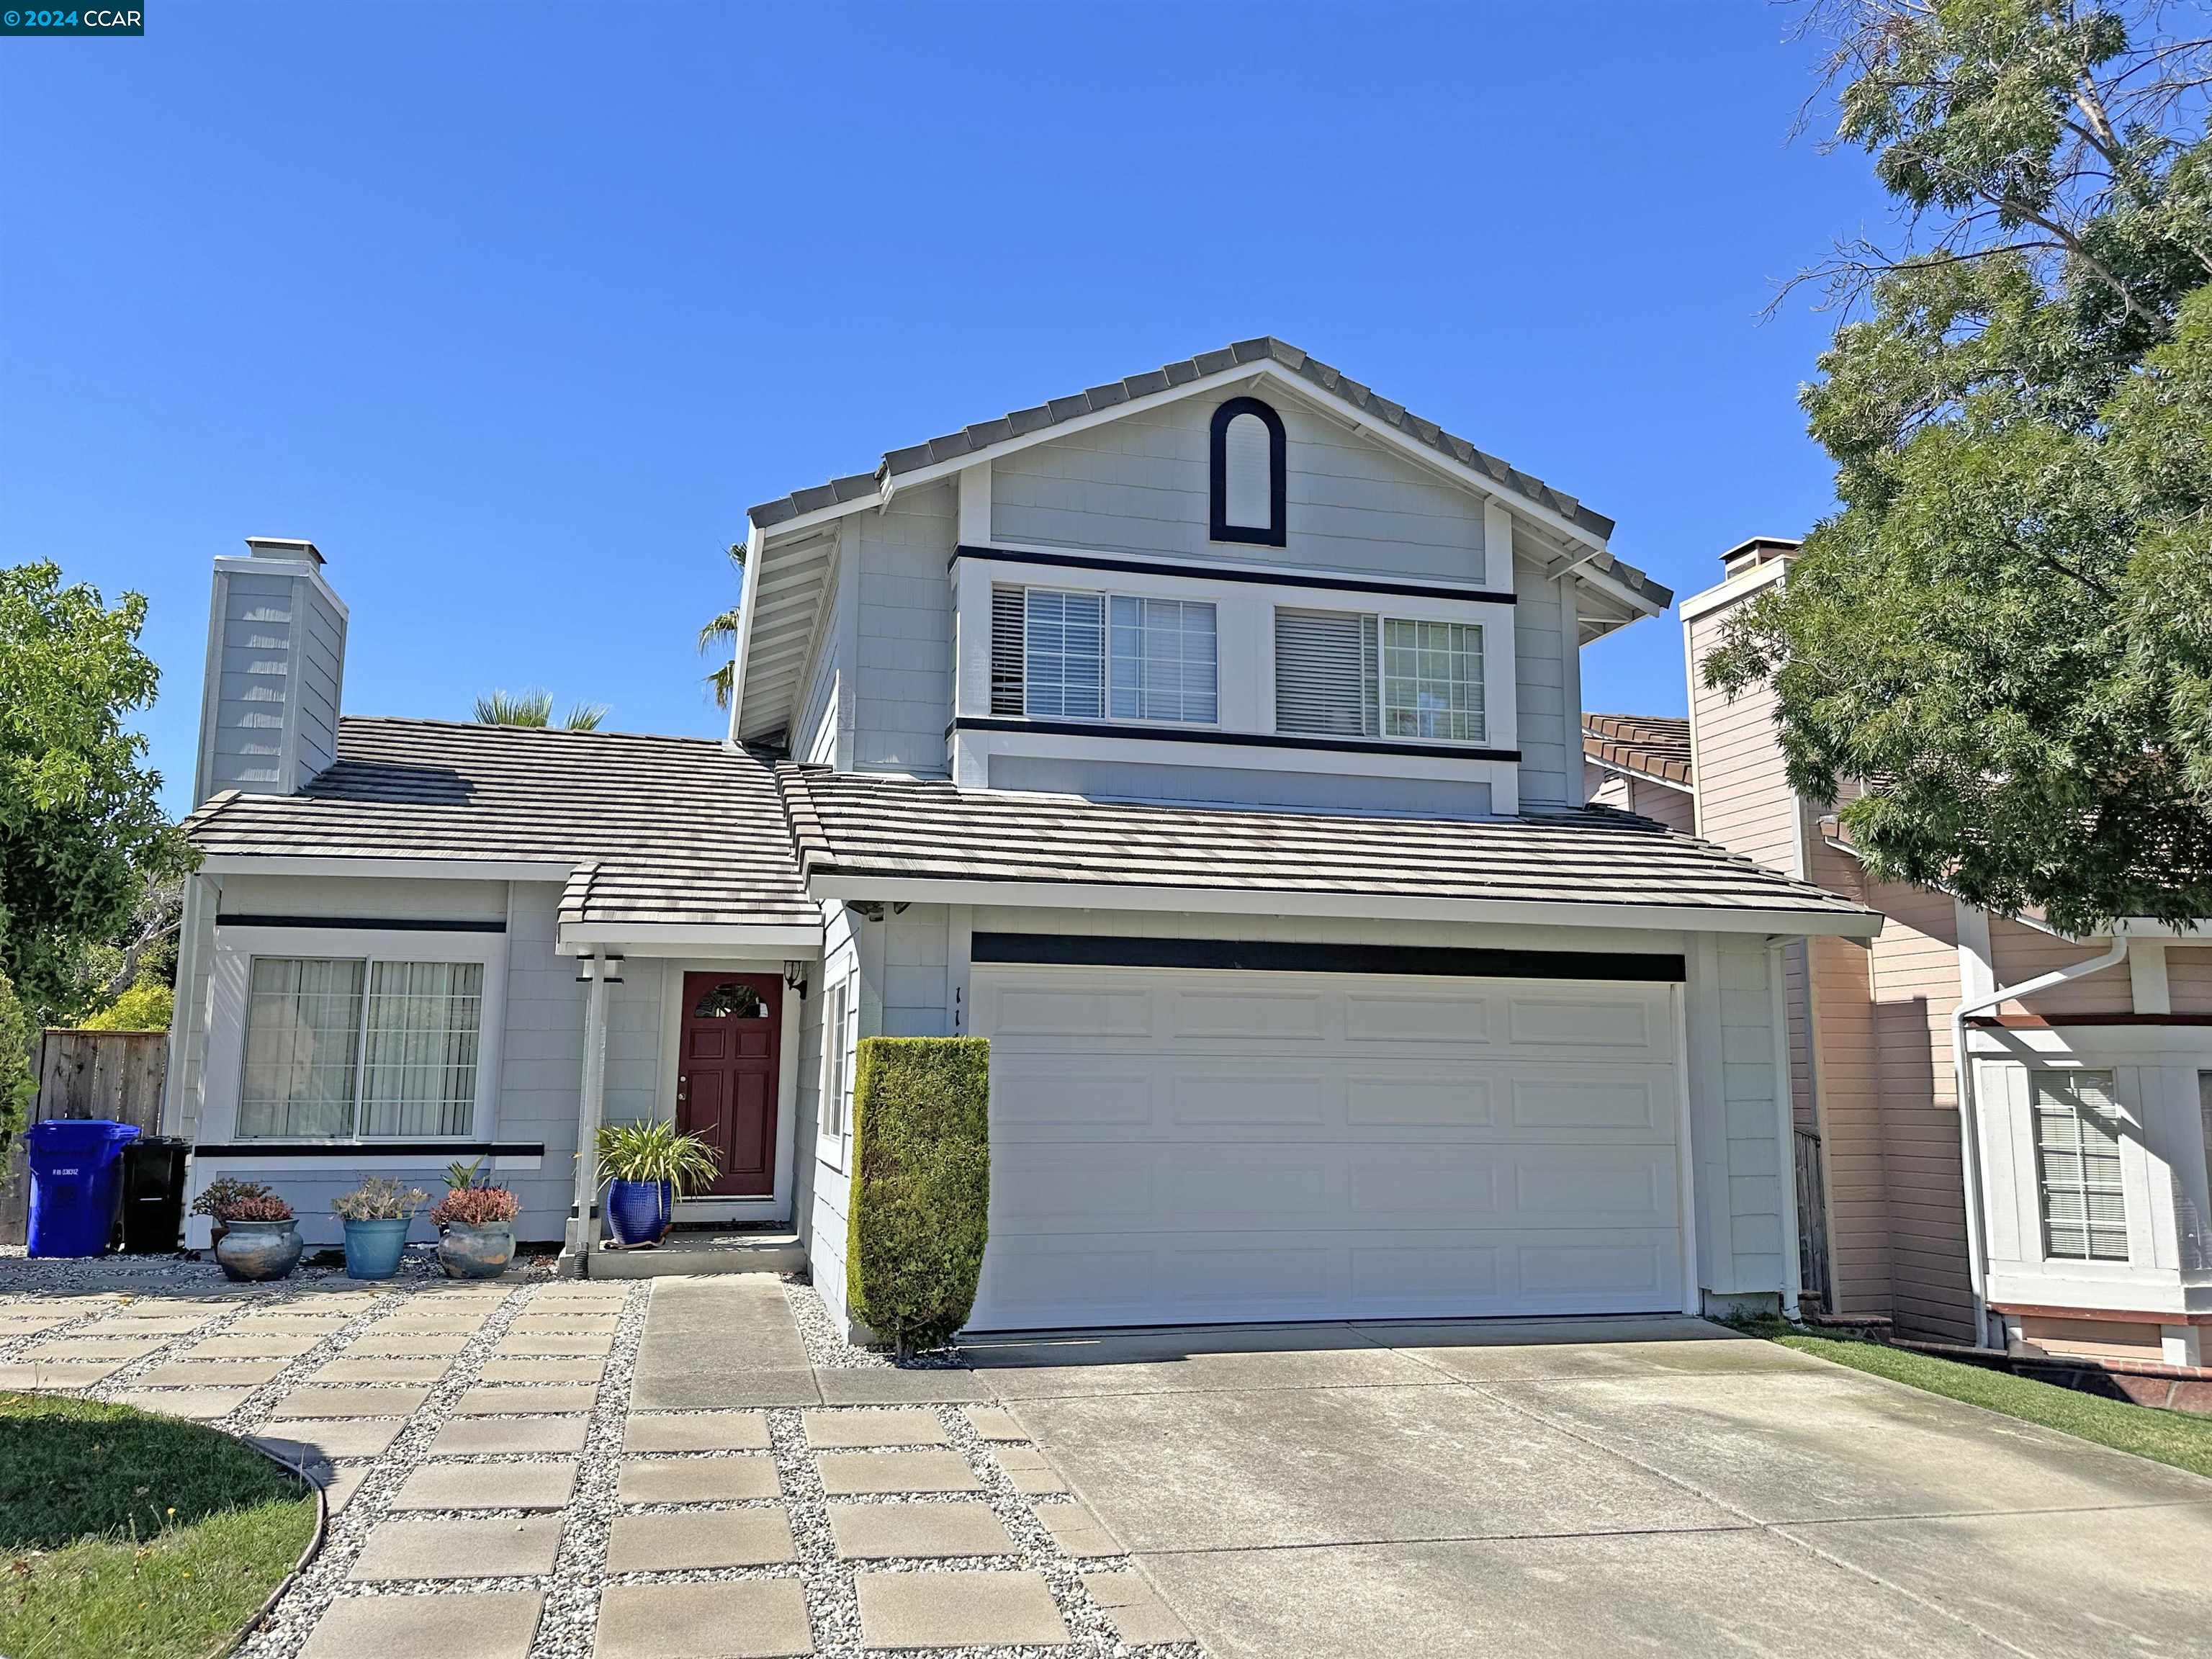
pixel 1792 1266
pixel 1970 1139
pixel 583 1224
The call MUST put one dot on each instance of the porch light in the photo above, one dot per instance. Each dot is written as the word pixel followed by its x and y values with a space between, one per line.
pixel 795 975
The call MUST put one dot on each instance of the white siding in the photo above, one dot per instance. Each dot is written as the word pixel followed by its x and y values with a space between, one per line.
pixel 1550 732
pixel 276 660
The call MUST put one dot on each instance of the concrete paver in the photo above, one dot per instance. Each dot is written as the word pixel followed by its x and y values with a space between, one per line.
pixel 384 1368
pixel 211 1373
pixel 957 1609
pixel 478 1436
pixel 697 1432
pixel 459 1549
pixel 1077 1530
pixel 760 1619
pixel 828 1429
pixel 697 1479
pixel 488 1400
pixel 918 1531
pixel 497 1625
pixel 1139 1614
pixel 540 1368
pixel 852 1474
pixel 305 1441
pixel 438 1485
pixel 201 1405
pixel 345 1400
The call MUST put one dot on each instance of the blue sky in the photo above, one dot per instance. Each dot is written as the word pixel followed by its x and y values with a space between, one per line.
pixel 514 308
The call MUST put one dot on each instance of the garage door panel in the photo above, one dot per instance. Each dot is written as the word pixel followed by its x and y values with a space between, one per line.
pixel 1038 1189
pixel 1555 1187
pixel 1070 1013
pixel 1416 1016
pixel 1231 1189
pixel 1057 1091
pixel 1417 1099
pixel 1229 1095
pixel 1552 1020
pixel 1579 1277
pixel 1276 1016
pixel 1642 1099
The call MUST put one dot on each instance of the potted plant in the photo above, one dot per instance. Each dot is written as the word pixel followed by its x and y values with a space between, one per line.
pixel 476 1237
pixel 219 1196
pixel 376 1214
pixel 647 1167
pixel 259 1237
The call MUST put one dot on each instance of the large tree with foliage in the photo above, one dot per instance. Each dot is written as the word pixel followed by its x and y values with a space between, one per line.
pixel 1999 648
pixel 81 831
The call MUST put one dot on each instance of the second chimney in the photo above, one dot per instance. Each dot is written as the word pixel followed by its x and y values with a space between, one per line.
pixel 277 637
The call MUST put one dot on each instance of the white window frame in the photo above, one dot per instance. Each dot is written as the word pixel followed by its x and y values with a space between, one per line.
pixel 231 978
pixel 1107 599
pixel 841 1018
pixel 2043 1190
pixel 1382 622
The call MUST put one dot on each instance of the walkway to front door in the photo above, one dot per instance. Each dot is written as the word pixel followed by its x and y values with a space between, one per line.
pixel 725 1077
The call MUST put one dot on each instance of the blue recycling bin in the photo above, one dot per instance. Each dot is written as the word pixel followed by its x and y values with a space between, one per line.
pixel 74 1166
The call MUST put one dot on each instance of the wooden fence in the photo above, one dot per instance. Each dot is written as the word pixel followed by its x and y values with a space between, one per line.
pixel 112 1074
pixel 1813 1225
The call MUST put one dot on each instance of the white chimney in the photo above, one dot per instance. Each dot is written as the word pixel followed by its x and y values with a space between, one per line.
pixel 276 634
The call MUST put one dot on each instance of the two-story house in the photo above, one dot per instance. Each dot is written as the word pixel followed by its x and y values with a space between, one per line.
pixel 1210 741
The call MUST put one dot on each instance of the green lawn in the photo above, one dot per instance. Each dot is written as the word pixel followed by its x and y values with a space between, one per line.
pixel 2165 1437
pixel 126 1535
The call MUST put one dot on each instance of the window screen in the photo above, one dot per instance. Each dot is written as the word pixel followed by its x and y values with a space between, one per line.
pixel 2077 1153
pixel 1065 646
pixel 1432 680
pixel 1162 661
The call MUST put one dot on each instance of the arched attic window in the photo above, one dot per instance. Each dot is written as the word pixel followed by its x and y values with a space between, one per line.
pixel 1247 456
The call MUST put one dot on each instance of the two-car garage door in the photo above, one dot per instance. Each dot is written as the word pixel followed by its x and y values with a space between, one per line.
pixel 1185 1146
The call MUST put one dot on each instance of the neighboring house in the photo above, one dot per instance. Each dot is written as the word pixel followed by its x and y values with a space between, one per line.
pixel 1639 763
pixel 1209 741
pixel 2090 1111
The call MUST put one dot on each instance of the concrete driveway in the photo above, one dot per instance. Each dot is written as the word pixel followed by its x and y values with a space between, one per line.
pixel 1589 1487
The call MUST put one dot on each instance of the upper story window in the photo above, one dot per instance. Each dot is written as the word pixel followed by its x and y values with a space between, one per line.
pixel 1347 674
pixel 345 1048
pixel 1247 452
pixel 1061 655
pixel 2077 1156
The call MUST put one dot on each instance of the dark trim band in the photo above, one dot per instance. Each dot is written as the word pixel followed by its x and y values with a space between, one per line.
pixel 380 924
pixel 1227 573
pixel 2048 1022
pixel 368 1151
pixel 1277 957
pixel 1231 739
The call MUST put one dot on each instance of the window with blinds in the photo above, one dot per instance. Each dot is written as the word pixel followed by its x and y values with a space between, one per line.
pixel 337 1048
pixel 1326 674
pixel 2077 1156
pixel 1057 655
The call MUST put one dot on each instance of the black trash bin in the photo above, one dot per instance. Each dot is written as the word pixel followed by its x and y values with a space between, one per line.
pixel 153 1194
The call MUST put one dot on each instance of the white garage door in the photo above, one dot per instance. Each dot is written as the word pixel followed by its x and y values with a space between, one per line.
pixel 1177 1147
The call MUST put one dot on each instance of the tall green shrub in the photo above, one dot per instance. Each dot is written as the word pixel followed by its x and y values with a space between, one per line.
pixel 17 1085
pixel 921 1186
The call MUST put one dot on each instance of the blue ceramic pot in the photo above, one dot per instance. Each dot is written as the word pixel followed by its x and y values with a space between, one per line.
pixel 253 1251
pixel 373 1247
pixel 639 1212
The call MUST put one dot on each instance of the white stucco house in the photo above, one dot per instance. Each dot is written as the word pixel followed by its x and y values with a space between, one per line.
pixel 1211 741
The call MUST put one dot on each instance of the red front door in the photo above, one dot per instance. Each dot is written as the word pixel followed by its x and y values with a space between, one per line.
pixel 726 1075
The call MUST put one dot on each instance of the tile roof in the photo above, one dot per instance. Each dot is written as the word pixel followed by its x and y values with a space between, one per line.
pixel 678 830
pixel 1647 745
pixel 857 824
pixel 969 440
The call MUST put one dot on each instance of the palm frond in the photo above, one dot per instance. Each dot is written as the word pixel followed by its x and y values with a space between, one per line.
pixel 586 716
pixel 504 707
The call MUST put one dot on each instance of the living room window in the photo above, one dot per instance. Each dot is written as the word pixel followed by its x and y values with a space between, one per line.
pixel 2077 1157
pixel 1100 656
pixel 1348 674
pixel 351 1048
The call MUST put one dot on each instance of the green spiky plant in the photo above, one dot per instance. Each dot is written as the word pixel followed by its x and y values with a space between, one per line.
pixel 535 708
pixel 655 1152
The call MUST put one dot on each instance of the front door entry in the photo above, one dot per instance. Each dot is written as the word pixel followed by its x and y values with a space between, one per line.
pixel 725 1077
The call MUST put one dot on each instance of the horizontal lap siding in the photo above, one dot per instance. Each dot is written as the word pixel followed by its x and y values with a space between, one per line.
pixel 1917 986
pixel 2189 979
pixel 1549 734
pixel 1744 798
pixel 903 674
pixel 2018 952
pixel 1139 483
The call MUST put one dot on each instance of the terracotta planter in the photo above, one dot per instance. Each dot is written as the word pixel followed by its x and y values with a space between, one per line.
pixel 476 1252
pixel 253 1251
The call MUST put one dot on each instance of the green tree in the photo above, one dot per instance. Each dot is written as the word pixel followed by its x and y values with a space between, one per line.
pixel 1998 652
pixel 535 708
pixel 81 831
pixel 17 1085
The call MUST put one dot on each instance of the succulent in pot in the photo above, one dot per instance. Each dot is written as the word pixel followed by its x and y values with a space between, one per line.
pixel 646 1167
pixel 260 1237
pixel 218 1197
pixel 476 1237
pixel 376 1215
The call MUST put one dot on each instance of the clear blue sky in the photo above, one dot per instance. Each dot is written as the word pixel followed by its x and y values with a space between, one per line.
pixel 513 308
